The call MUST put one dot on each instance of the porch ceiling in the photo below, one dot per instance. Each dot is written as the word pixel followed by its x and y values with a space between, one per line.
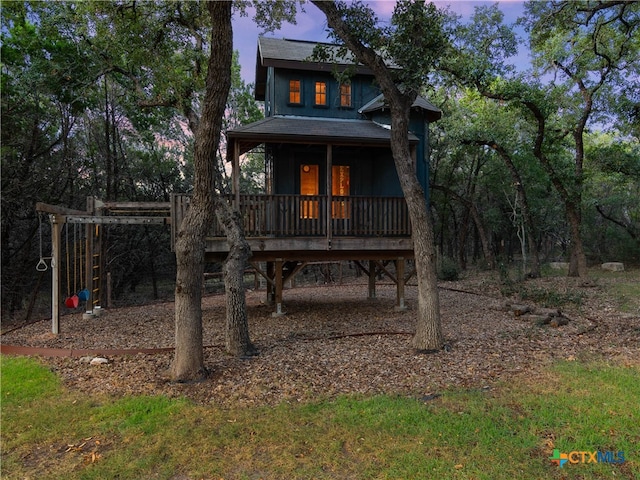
pixel 290 129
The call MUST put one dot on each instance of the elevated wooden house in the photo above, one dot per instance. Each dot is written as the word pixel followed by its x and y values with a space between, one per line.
pixel 332 192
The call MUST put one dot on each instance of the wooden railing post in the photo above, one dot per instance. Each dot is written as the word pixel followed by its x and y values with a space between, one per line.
pixel 329 187
pixel 56 262
pixel 311 215
pixel 236 174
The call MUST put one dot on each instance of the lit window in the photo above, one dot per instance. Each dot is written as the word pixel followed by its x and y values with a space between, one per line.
pixel 294 91
pixel 340 187
pixel 345 94
pixel 321 93
pixel 309 186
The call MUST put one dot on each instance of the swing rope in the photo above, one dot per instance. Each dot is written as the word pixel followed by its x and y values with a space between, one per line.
pixel 42 265
pixel 84 293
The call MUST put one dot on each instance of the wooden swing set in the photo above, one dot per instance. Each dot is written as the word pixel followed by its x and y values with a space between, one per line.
pixel 83 258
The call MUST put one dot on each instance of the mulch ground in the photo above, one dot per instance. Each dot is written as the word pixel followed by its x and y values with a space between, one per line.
pixel 334 341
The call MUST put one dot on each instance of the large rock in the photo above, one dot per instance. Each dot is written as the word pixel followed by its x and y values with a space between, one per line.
pixel 559 265
pixel 613 266
pixel 99 361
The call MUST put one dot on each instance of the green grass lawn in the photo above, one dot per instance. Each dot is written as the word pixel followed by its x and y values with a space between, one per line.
pixel 504 433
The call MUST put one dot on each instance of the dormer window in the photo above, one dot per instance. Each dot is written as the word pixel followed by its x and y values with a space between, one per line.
pixel 294 92
pixel 321 94
pixel 345 95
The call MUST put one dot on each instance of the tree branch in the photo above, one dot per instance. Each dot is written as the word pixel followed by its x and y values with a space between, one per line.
pixel 628 228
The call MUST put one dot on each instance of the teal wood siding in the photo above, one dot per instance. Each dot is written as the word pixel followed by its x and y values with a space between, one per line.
pixel 277 94
pixel 269 93
pixel 419 126
pixel 372 171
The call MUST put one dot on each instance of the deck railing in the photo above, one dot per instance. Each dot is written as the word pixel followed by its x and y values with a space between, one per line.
pixel 310 215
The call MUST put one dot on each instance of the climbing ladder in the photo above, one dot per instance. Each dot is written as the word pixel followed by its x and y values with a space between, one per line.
pixel 94 264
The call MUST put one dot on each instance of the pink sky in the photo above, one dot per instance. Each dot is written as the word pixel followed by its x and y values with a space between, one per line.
pixel 311 25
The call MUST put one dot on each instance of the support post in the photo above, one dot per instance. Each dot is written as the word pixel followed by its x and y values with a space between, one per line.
pixel 329 189
pixel 270 284
pixel 372 280
pixel 89 247
pixel 235 174
pixel 56 261
pixel 400 297
pixel 279 284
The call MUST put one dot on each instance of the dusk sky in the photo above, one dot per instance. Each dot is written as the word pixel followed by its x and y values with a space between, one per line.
pixel 311 25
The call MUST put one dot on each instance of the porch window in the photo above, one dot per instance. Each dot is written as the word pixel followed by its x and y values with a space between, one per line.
pixel 309 185
pixel 345 95
pixel 340 187
pixel 321 94
pixel 294 91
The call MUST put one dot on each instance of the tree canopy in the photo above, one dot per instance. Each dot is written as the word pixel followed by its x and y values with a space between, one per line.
pixel 103 98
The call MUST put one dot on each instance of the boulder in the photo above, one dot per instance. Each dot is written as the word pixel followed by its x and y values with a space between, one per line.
pixel 559 265
pixel 613 266
pixel 520 309
pixel 99 361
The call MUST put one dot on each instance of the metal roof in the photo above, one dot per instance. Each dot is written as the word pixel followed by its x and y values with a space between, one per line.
pixel 378 103
pixel 295 54
pixel 294 129
pixel 271 49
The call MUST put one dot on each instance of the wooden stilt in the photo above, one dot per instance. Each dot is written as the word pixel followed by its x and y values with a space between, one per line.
pixel 279 285
pixel 270 284
pixel 372 280
pixel 400 298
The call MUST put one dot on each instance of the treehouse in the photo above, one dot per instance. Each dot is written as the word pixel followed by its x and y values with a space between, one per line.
pixel 331 188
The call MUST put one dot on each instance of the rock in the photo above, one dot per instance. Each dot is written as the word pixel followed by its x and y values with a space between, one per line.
pixel 559 265
pixel 542 317
pixel 613 266
pixel 99 361
pixel 520 309
pixel 549 312
pixel 558 321
pixel 539 320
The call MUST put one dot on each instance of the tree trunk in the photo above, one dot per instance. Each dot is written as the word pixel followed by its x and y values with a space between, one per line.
pixel 428 336
pixel 484 238
pixel 237 340
pixel 188 363
pixel 526 212
pixel 577 257
pixel 475 215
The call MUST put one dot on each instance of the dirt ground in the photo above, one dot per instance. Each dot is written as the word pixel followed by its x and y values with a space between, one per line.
pixel 333 340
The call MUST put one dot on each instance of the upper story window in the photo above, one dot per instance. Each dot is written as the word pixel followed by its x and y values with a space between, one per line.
pixel 345 95
pixel 321 94
pixel 294 92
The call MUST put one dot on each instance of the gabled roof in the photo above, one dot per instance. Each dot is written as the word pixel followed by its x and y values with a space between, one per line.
pixel 294 54
pixel 377 104
pixel 293 129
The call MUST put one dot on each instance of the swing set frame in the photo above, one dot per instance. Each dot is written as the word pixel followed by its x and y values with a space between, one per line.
pixel 98 213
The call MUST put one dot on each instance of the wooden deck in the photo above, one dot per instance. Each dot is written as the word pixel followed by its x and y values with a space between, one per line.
pixel 354 227
pixel 286 232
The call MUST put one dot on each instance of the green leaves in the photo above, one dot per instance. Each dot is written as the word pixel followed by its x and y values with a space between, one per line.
pixel 416 41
